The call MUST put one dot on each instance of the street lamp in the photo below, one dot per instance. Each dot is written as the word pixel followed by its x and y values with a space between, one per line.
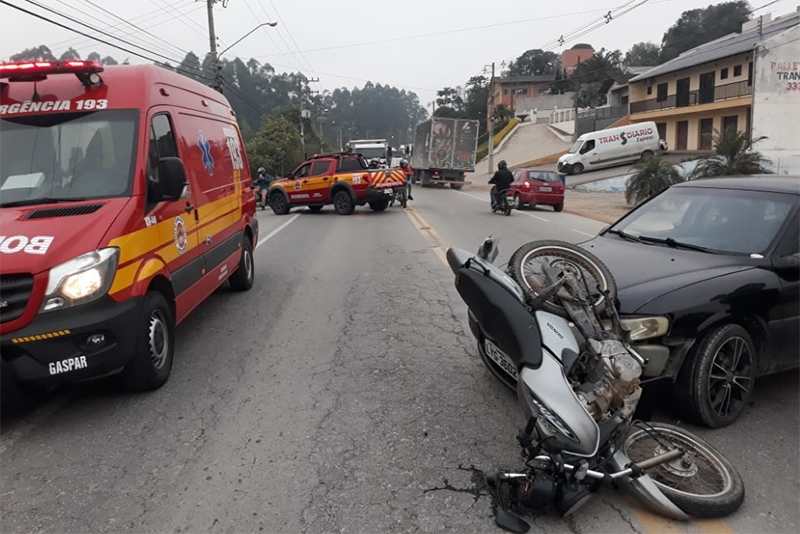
pixel 240 39
pixel 215 56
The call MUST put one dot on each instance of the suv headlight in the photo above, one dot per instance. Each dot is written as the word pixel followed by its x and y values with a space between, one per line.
pixel 80 280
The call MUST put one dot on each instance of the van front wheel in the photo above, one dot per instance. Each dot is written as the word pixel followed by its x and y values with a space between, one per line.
pixel 151 364
pixel 647 154
pixel 577 168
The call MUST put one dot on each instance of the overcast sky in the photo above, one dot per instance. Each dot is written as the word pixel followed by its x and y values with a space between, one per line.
pixel 420 45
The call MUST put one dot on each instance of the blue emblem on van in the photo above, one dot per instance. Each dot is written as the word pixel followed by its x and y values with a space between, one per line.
pixel 205 148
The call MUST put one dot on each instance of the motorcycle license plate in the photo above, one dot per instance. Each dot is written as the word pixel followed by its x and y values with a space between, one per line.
pixel 499 357
pixel 388 191
pixel 545 189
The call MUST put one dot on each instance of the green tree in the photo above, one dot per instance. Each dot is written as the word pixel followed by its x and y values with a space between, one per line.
pixel 652 175
pixel 41 52
pixel 534 63
pixel 69 53
pixel 595 76
pixel 734 156
pixel 276 147
pixel 643 55
pixel 703 25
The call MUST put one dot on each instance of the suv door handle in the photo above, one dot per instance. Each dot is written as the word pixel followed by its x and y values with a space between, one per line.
pixel 189 208
pixel 305 181
pixel 327 178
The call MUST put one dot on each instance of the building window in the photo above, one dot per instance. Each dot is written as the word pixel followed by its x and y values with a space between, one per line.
pixel 723 74
pixel 737 70
pixel 649 90
pixel 731 123
pixel 662 92
pixel 505 91
pixel 750 73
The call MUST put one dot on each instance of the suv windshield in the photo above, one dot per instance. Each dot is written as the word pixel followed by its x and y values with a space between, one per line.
pixel 720 220
pixel 66 156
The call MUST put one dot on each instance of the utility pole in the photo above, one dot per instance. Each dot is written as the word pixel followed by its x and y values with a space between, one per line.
pixel 489 123
pixel 577 95
pixel 302 84
pixel 212 41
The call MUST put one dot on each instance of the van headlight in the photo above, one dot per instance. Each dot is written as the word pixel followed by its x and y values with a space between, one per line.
pixel 642 327
pixel 80 280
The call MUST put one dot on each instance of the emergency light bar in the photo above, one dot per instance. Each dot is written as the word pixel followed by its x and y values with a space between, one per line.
pixel 34 71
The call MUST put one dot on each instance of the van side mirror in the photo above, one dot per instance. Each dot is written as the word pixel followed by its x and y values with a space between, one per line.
pixel 172 179
pixel 788 267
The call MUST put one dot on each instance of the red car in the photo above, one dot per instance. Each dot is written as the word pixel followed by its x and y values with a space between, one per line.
pixel 535 187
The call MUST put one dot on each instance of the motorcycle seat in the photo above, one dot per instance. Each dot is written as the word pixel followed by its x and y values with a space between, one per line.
pixel 502 318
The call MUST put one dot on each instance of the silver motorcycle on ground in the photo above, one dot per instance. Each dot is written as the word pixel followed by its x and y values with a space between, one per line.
pixel 578 383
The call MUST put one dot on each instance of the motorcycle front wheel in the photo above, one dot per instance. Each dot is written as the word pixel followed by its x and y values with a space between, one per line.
pixel 702 483
pixel 526 268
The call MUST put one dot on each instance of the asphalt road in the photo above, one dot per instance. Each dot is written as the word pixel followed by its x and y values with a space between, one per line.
pixel 342 393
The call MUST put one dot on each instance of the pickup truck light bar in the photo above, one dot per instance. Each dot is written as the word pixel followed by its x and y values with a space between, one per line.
pixel 36 71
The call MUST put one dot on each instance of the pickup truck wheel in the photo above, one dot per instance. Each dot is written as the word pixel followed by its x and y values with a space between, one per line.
pixel 316 207
pixel 278 203
pixel 244 275
pixel 151 364
pixel 343 202
pixel 379 205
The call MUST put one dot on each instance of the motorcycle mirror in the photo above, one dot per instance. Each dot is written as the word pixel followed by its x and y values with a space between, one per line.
pixel 511 522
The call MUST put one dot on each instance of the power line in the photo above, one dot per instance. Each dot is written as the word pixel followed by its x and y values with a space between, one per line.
pixel 60 25
pixel 146 17
pixel 76 21
pixel 289 33
pixel 446 32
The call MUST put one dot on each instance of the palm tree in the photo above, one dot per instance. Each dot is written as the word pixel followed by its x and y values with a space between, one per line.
pixel 734 156
pixel 652 175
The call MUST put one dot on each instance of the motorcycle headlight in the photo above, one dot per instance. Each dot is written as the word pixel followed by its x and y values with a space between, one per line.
pixel 646 327
pixel 80 280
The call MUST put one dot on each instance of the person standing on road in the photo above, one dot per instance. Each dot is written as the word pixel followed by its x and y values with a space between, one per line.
pixel 502 181
pixel 262 183
pixel 409 172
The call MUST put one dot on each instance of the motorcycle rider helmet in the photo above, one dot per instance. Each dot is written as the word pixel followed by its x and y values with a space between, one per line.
pixel 502 165
pixel 261 170
pixel 403 161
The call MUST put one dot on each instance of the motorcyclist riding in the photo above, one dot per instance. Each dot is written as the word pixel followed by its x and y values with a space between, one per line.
pixel 409 174
pixel 502 181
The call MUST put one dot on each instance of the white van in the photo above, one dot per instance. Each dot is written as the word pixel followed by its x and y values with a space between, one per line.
pixel 614 146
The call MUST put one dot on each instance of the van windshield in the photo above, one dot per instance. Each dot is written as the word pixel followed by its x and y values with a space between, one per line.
pixel 67 156
pixel 575 147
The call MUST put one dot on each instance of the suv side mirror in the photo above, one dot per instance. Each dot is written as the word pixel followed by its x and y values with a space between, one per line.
pixel 788 267
pixel 172 179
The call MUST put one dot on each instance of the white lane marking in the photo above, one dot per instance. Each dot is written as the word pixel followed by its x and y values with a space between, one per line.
pixel 276 230
pixel 522 212
pixel 528 214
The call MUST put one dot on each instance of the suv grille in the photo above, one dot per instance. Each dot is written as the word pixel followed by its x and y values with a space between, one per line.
pixel 15 291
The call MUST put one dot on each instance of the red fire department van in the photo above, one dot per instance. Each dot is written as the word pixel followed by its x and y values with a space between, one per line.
pixel 125 200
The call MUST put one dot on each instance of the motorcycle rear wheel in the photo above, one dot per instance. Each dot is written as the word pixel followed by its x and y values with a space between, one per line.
pixel 681 480
pixel 521 268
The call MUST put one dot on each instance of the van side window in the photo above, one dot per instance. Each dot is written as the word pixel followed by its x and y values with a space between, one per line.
pixel 162 145
pixel 589 145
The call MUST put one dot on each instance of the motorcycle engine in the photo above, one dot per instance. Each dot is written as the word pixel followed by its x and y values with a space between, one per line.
pixel 607 380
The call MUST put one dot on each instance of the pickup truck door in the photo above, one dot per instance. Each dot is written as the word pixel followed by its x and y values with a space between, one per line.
pixel 319 181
